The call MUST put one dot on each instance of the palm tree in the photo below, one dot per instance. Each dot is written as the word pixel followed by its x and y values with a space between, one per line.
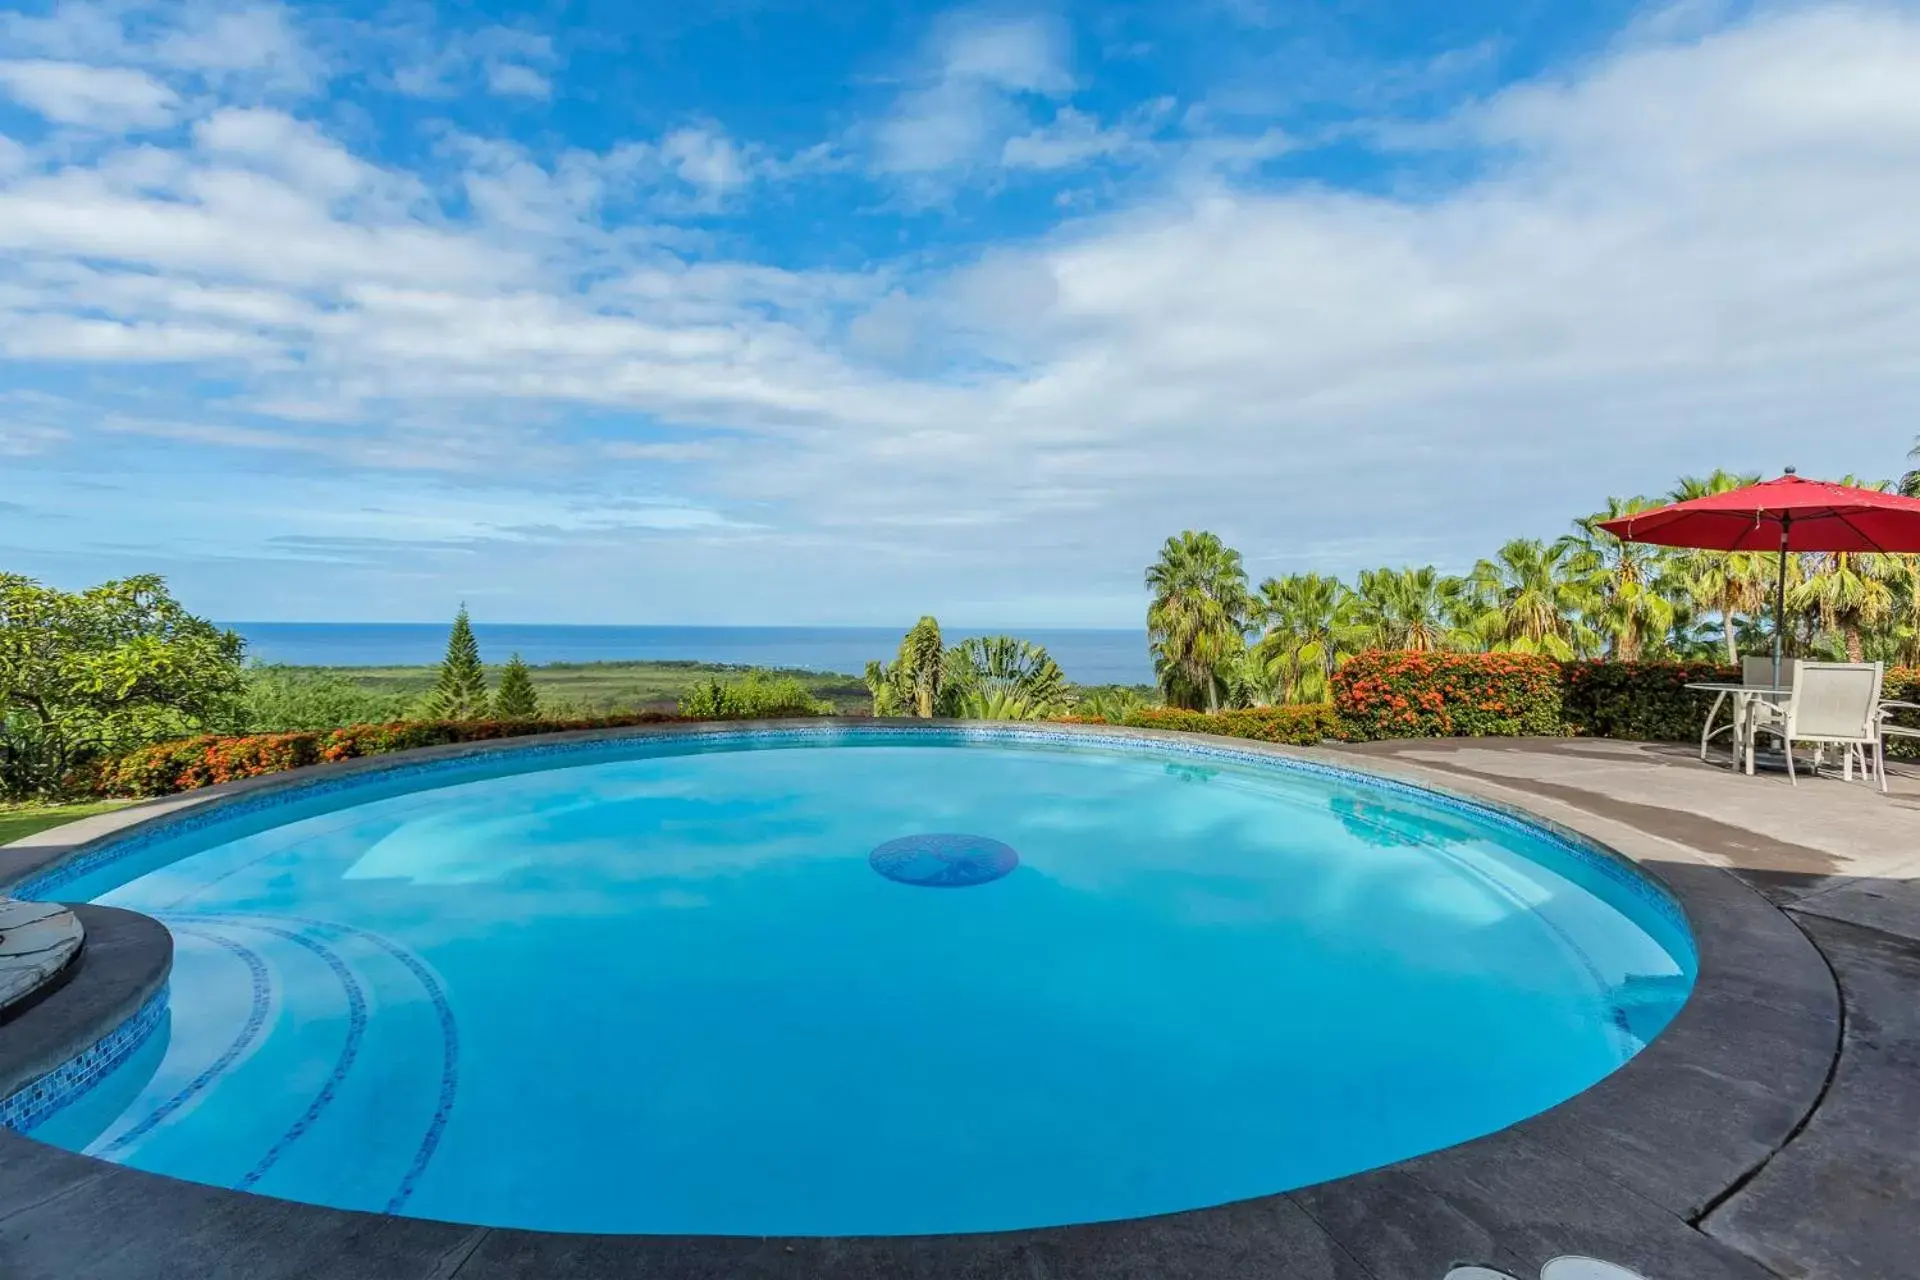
pixel 1910 482
pixel 1417 609
pixel 1197 620
pixel 1851 591
pixel 1309 632
pixel 1529 603
pixel 1627 579
pixel 1727 583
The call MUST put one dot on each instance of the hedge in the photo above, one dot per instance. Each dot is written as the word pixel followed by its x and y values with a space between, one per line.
pixel 1643 701
pixel 1376 696
pixel 168 767
pixel 1448 695
pixel 1300 726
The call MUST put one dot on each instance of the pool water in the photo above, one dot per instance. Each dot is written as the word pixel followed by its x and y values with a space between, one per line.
pixel 672 987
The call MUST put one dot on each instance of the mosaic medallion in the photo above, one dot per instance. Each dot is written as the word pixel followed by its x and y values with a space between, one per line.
pixel 943 861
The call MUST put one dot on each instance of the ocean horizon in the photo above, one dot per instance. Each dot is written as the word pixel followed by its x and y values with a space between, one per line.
pixel 1087 655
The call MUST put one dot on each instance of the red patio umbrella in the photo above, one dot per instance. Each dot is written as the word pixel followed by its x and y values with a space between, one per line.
pixel 1788 514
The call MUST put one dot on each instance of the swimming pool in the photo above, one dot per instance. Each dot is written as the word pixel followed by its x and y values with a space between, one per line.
pixel 857 981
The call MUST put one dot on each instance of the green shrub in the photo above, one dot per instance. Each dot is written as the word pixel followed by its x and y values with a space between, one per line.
pixel 758 696
pixel 1443 695
pixel 1300 725
pixel 1903 685
pixel 281 700
pixel 1642 701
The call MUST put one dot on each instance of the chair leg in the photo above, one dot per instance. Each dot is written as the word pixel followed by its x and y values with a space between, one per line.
pixel 1846 767
pixel 1706 730
pixel 1786 745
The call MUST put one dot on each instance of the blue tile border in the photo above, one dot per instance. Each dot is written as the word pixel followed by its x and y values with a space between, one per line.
pixel 34 1102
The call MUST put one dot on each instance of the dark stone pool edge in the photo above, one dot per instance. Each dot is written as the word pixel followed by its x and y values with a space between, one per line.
pixel 1620 1171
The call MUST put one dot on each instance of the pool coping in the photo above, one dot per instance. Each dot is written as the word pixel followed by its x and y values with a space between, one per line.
pixel 1621 1170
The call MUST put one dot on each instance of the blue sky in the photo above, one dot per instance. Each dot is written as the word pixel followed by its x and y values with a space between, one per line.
pixel 808 313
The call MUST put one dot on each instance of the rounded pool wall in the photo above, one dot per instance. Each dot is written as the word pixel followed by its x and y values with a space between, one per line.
pixel 274 802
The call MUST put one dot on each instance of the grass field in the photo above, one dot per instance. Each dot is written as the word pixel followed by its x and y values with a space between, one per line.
pixel 17 820
pixel 605 686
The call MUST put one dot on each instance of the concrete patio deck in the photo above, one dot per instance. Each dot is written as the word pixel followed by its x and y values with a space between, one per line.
pixel 1769 1133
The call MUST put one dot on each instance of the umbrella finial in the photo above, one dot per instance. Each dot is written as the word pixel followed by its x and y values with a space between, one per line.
pixel 1793 471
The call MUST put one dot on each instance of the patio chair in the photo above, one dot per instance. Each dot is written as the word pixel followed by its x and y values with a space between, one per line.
pixel 1888 729
pixel 1756 671
pixel 1833 704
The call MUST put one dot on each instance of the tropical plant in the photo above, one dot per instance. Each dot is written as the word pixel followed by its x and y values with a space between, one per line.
pixel 1528 602
pixel 1309 630
pixel 1725 583
pixel 981 678
pixel 1630 597
pixel 1197 620
pixel 1006 673
pixel 516 698
pixel 460 691
pixel 915 682
pixel 1111 703
pixel 84 674
pixel 994 704
pixel 1910 482
pixel 1418 610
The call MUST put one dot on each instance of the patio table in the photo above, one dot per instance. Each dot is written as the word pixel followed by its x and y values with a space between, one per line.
pixel 1743 696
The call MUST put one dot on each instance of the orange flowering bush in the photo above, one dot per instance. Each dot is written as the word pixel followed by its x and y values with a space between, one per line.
pixel 1448 695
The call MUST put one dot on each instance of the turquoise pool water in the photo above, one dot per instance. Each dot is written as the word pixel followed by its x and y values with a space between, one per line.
pixel 729 986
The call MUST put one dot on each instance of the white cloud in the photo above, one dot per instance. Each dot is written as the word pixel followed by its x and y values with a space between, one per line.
pixel 292 149
pixel 515 79
pixel 240 44
pixel 967 98
pixel 64 338
pixel 1683 254
pixel 504 61
pixel 1073 138
pixel 234 45
pixel 107 98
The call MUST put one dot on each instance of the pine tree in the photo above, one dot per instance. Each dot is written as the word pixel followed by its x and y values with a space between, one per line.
pixel 515 699
pixel 461 691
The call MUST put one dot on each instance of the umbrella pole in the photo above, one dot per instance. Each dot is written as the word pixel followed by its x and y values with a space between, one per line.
pixel 1780 600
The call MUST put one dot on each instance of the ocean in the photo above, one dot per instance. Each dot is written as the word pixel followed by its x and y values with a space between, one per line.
pixel 1087 656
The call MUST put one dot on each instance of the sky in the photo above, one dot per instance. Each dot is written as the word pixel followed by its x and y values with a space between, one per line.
pixel 759 311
